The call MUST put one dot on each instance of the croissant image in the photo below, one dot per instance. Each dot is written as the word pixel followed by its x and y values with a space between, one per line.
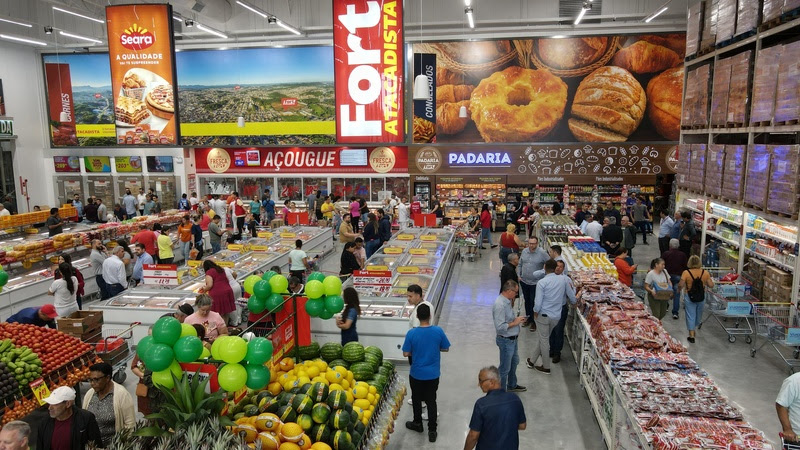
pixel 450 93
pixel 644 57
pixel 447 76
pixel 447 120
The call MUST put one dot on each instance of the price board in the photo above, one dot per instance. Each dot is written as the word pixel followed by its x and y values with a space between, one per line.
pixel 194 263
pixel 160 274
pixel 405 237
pixel 392 250
pixel 368 282
pixel 288 235
pixel 264 235
pixel 418 251
pixel 235 247
pixel 408 269
pixel 260 248
pixel 40 390
pixel 207 371
pixel 427 237
pixel 228 264
pixel 377 268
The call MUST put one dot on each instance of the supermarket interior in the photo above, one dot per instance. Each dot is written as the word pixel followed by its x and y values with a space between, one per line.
pixel 371 224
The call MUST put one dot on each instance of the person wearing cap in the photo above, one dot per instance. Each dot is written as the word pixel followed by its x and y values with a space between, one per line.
pixel 68 427
pixel 43 316
pixel 184 311
pixel 15 435
pixel 110 402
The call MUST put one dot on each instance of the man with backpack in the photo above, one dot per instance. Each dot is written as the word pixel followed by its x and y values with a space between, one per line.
pixel 694 282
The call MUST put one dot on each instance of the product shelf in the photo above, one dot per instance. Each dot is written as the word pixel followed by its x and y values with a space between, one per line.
pixel 771 236
pixel 772 261
pixel 723 239
pixel 725 219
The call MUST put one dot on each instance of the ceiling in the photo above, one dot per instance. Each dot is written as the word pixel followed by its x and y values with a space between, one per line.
pixel 441 20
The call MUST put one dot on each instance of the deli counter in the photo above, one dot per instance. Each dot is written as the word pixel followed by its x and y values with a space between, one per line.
pixel 423 256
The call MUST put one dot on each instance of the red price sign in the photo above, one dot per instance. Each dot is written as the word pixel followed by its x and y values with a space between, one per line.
pixel 160 274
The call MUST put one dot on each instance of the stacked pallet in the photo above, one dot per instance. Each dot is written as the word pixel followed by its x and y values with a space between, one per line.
pixel 758 164
pixel 733 181
pixel 765 85
pixel 738 88
pixel 784 187
pixel 715 159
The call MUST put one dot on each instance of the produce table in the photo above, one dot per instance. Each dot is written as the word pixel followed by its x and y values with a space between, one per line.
pixel 385 309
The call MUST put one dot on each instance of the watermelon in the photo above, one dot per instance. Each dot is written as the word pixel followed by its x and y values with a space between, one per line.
pixel 360 427
pixel 388 364
pixel 302 404
pixel 339 362
pixel 262 396
pixel 337 399
pixel 270 406
pixel 306 388
pixel 251 410
pixel 286 414
pixel 362 371
pixel 353 352
pixel 373 360
pixel 330 351
pixel 318 392
pixel 321 433
pixel 339 419
pixel 372 350
pixel 356 437
pixel 309 351
pixel 320 412
pixel 342 440
pixel 384 370
pixel 306 422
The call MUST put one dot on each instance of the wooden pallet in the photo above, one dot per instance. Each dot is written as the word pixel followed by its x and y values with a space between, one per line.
pixel 715 197
pixel 734 125
pixel 786 122
pixel 784 215
pixel 764 123
pixel 705 51
pixel 757 208
pixel 770 24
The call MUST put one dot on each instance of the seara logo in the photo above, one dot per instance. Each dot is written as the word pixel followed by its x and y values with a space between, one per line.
pixel 136 38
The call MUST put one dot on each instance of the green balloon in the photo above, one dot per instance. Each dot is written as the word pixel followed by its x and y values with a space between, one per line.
pixel 188 349
pixel 275 303
pixel 187 330
pixel 262 289
pixel 325 314
pixel 164 379
pixel 334 303
pixel 233 350
pixel 259 350
pixel 316 276
pixel 176 369
pixel 250 282
pixel 333 285
pixel 314 289
pixel 232 377
pixel 143 345
pixel 205 354
pixel 314 307
pixel 3 278
pixel 158 357
pixel 268 274
pixel 256 304
pixel 278 283
pixel 216 347
pixel 167 330
pixel 257 376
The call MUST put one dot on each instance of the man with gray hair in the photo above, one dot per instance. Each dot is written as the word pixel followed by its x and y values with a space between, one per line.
pixel 507 326
pixel 15 435
pixel 611 237
pixel 509 271
pixel 114 272
pixel 497 417
pixel 675 263
pixel 664 230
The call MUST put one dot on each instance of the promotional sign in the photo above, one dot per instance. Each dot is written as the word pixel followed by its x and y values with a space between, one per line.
pixel 372 282
pixel 142 55
pixel 207 371
pixel 160 164
pixel 556 90
pixel 67 163
pixel 97 163
pixel 738 308
pixel 40 390
pixel 368 69
pixel 299 160
pixel 793 336
pixel 425 110
pixel 60 100
pixel 160 274
pixel 128 163
pixel 6 128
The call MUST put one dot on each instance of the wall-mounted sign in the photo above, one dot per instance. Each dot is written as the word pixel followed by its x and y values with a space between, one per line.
pixel 128 163
pixel 6 127
pixel 97 163
pixel 425 110
pixel 160 164
pixel 479 159
pixel 141 51
pixel 67 163
pixel 299 160
pixel 368 69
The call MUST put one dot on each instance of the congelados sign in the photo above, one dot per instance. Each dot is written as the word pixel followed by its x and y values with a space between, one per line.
pixel 368 69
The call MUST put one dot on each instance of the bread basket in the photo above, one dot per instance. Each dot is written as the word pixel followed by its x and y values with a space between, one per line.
pixel 527 52
pixel 475 71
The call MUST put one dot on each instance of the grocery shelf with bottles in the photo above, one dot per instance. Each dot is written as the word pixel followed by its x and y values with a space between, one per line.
pixel 458 199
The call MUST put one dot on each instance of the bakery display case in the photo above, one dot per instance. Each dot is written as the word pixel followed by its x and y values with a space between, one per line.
pixel 423 256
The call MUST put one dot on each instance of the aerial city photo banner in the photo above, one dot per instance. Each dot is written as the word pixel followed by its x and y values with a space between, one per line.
pixel 286 96
pixel 557 90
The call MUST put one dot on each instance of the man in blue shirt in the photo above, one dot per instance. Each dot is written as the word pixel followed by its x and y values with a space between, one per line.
pixel 130 204
pixel 531 259
pixel 664 231
pixel 675 231
pixel 78 206
pixel 550 294
pixel 557 335
pixel 41 317
pixel 507 326
pixel 267 208
pixel 424 344
pixel 142 258
pixel 497 417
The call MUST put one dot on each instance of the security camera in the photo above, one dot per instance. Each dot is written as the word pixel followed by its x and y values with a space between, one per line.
pixel 48 30
pixel 189 23
pixel 272 19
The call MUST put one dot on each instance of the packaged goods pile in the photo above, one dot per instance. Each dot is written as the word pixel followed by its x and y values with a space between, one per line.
pixel 667 399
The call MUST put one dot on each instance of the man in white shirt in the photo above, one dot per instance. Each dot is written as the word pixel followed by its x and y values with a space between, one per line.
pixel 141 199
pixel 593 228
pixel 403 213
pixel 114 272
pixel 788 407
pixel 4 211
pixel 96 258
pixel 194 201
pixel 220 208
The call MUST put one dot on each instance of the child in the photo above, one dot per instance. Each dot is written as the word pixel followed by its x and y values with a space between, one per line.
pixel 251 224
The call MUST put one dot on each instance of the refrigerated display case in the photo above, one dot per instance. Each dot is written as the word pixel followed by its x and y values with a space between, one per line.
pixel 66 188
pixel 102 187
pixel 132 182
pixel 166 187
pixel 426 257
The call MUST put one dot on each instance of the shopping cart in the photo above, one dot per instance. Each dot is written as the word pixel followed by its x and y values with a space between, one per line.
pixel 115 350
pixel 468 244
pixel 777 324
pixel 789 445
pixel 730 301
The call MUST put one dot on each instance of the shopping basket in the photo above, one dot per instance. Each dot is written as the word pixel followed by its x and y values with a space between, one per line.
pixel 778 325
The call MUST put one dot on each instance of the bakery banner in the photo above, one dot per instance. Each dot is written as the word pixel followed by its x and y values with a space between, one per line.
pixel 142 56
pixel 368 70
pixel 548 164
pixel 582 89
pixel 67 164
pixel 326 160
pixel 128 164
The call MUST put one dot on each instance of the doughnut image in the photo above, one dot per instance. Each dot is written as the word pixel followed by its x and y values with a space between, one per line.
pixel 609 160
pixel 522 168
pixel 623 161
pixel 578 153
pixel 582 171
pixel 532 157
pixel 657 169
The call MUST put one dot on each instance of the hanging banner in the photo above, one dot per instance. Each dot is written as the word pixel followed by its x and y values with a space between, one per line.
pixel 67 163
pixel 368 70
pixel 142 55
pixel 160 164
pixel 424 125
pixel 59 94
pixel 128 163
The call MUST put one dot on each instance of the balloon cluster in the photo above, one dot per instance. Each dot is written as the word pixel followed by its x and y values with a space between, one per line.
pixel 324 295
pixel 3 278
pixel 265 292
pixel 172 343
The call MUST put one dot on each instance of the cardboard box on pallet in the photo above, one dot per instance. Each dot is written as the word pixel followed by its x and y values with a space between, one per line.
pixel 757 183
pixel 708 37
pixel 700 114
pixel 80 322
pixel 697 167
pixel 778 276
pixel 694 24
pixel 765 84
pixel 726 20
pixel 690 99
pixel 784 179
pixel 715 159
pixel 746 16
pixel 787 108
pixel 774 288
pixel 684 158
pixel 720 91
pixel 738 89
pixel 771 9
pixel 733 182
pixel 790 6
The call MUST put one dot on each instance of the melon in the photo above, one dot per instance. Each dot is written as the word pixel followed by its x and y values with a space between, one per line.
pixel 372 360
pixel 268 441
pixel 372 350
pixel 342 440
pixel 291 432
pixel 309 351
pixel 337 399
pixel 362 371
pixel 319 392
pixel 286 414
pixel 320 412
pixel 321 433
pixel 338 362
pixel 302 403
pixel 305 421
pixel 268 422
pixel 339 419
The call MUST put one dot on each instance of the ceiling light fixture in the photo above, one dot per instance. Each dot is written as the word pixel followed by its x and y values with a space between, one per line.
pixel 19 39
pixel 558 36
pixel 56 8
pixel 586 7
pixel 470 19
pixel 26 25
pixel 468 3
pixel 655 14
pixel 177 18
pixel 462 112
pixel 254 9
pixel 287 27
pixel 83 38
pixel 422 87
pixel 210 30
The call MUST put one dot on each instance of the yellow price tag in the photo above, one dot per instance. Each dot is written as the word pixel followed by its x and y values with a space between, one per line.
pixel 265 235
pixel 408 269
pixel 525 193
pixel 194 272
pixel 418 251
pixel 260 248
pixel 405 237
pixel 377 268
pixel 288 235
pixel 235 247
pixel 427 237
pixel 194 263
pixel 719 220
pixel 392 250
pixel 240 395
pixel 228 264
pixel 40 390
